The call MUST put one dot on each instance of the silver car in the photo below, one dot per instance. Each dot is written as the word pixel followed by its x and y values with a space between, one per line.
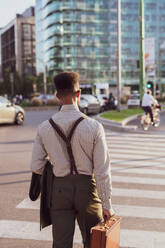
pixel 10 113
pixel 89 104
pixel 134 101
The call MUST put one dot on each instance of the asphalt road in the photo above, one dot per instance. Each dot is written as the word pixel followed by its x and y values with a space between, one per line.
pixel 15 154
pixel 138 175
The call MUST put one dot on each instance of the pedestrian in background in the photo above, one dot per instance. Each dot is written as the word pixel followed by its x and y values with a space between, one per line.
pixel 82 178
pixel 147 101
pixel 111 101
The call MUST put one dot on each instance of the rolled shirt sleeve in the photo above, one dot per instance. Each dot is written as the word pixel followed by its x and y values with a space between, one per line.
pixel 102 168
pixel 39 155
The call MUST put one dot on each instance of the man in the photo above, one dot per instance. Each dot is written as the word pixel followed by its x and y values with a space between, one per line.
pixel 74 195
pixel 147 102
pixel 111 101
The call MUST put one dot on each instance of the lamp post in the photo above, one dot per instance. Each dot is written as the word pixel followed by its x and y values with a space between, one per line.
pixel 141 54
pixel 119 55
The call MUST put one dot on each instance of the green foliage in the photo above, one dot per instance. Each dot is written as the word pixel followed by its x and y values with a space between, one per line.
pixel 24 85
pixel 6 85
pixel 120 116
pixel 40 82
pixel 28 85
pixel 26 104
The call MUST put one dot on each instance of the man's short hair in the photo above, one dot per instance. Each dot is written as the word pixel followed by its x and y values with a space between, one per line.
pixel 66 83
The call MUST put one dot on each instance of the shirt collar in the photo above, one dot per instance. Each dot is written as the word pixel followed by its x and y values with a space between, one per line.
pixel 69 107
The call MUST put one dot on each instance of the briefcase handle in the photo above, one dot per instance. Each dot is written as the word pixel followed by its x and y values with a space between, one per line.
pixel 108 223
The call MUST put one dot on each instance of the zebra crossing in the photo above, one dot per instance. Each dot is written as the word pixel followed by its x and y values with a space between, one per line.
pixel 138 195
pixel 138 176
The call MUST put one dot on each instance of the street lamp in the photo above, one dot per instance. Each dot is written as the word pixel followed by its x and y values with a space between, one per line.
pixel 141 54
pixel 119 55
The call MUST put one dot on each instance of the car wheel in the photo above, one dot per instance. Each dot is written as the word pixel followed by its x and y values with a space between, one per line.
pixel 85 111
pixel 19 119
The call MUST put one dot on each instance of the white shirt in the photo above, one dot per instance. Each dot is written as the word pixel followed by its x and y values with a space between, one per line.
pixel 89 149
pixel 148 100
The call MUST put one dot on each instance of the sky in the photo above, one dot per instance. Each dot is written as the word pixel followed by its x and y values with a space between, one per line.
pixel 9 9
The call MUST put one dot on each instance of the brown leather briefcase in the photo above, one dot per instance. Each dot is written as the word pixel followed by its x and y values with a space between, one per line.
pixel 106 235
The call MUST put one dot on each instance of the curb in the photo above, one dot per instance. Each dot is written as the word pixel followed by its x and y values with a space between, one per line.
pixel 128 119
pixel 119 126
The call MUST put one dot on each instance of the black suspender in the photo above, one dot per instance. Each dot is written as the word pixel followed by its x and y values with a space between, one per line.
pixel 67 140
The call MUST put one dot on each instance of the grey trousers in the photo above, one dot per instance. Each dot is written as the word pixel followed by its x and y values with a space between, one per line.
pixel 74 197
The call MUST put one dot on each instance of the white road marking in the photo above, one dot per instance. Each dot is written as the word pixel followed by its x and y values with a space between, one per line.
pixel 135 135
pixel 141 212
pixel 137 161
pixel 135 146
pixel 28 204
pixel 147 152
pixel 128 238
pixel 146 163
pixel 140 180
pixel 125 210
pixel 140 170
pixel 143 139
pixel 138 193
pixel 135 142
pixel 139 239
pixel 30 230
pixel 134 156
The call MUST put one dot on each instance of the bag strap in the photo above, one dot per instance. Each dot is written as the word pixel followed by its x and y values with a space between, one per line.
pixel 67 140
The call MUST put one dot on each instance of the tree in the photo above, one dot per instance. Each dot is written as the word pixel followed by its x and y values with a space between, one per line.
pixel 28 83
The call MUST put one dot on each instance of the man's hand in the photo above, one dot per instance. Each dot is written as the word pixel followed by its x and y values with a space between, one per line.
pixel 107 214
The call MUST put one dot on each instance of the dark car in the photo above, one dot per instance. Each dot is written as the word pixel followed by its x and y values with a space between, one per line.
pixel 103 99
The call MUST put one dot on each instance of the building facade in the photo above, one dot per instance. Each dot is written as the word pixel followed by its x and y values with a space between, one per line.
pixel 18 45
pixel 73 35
pixel 154 17
pixel 82 36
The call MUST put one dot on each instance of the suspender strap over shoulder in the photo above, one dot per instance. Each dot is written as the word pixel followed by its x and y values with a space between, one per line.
pixel 68 141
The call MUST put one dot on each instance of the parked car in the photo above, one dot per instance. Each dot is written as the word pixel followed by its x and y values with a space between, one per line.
pixel 89 104
pixel 103 99
pixel 10 113
pixel 134 100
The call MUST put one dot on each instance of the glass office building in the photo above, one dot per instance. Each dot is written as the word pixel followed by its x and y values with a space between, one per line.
pixel 82 36
pixel 154 12
pixel 74 35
